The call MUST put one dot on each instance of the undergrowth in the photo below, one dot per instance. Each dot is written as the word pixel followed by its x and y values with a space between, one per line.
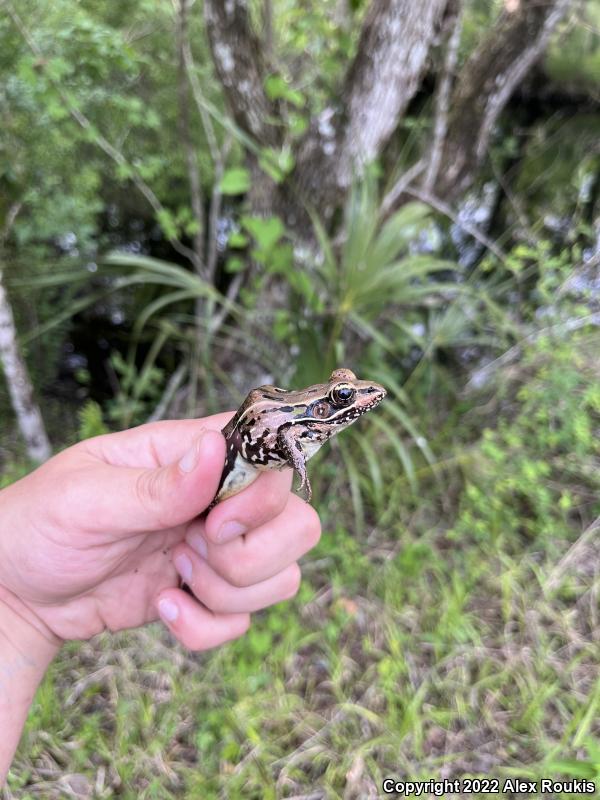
pixel 458 635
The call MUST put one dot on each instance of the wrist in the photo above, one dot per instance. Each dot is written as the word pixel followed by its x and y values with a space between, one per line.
pixel 22 631
pixel 26 649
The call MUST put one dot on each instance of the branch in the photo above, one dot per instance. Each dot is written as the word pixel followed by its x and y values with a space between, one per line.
pixel 481 376
pixel 200 100
pixel 219 158
pixel 487 81
pixel 167 396
pixel 386 72
pixel 400 186
pixel 220 316
pixel 444 208
pixel 384 76
pixel 11 216
pixel 215 211
pixel 442 101
pixel 237 56
pixel 186 138
pixel 267 23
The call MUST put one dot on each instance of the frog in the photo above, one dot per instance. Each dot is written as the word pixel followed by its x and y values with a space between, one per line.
pixel 276 428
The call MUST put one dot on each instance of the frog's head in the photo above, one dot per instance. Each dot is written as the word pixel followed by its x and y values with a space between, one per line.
pixel 343 399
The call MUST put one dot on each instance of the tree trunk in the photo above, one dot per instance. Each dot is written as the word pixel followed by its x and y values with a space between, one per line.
pixel 486 83
pixel 237 56
pixel 383 78
pixel 381 81
pixel 29 417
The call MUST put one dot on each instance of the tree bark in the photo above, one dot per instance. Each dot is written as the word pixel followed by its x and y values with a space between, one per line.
pixel 443 96
pixel 20 389
pixel 187 143
pixel 392 55
pixel 384 76
pixel 29 417
pixel 486 83
pixel 237 56
pixel 241 69
pixel 381 81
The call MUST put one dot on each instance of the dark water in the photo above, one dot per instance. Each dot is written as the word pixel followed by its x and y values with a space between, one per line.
pixel 84 369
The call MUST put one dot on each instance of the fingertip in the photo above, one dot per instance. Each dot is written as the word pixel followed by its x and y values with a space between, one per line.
pixel 216 441
pixel 206 449
pixel 243 623
pixel 199 472
pixel 168 610
pixel 196 627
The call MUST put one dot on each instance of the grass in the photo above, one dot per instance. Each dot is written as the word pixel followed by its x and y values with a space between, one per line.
pixel 459 635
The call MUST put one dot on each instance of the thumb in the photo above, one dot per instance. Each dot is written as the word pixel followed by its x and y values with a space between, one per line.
pixel 152 499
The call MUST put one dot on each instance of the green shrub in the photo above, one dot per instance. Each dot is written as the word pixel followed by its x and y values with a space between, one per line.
pixel 534 472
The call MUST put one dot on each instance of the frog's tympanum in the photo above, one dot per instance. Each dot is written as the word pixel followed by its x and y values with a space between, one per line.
pixel 276 428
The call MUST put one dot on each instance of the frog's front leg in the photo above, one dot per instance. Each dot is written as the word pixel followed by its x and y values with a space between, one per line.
pixel 288 440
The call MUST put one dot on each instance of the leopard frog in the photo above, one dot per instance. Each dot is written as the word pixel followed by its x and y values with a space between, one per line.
pixel 276 428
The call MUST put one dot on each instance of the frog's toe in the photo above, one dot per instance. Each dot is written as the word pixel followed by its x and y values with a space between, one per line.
pixel 306 485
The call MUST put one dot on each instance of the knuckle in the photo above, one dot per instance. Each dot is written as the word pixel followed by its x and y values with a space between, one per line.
pixel 215 599
pixel 239 571
pixel 234 563
pixel 148 490
pixel 146 486
pixel 272 499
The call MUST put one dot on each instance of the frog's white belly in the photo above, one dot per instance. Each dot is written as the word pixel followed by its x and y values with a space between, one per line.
pixel 310 447
pixel 242 475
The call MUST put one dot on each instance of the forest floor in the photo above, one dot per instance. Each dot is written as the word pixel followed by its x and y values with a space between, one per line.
pixel 457 634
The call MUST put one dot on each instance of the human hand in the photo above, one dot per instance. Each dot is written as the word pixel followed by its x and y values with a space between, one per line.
pixel 94 538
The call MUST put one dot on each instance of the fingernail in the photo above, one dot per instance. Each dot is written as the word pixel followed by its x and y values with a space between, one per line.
pixel 168 610
pixel 198 543
pixel 229 530
pixel 189 460
pixel 183 565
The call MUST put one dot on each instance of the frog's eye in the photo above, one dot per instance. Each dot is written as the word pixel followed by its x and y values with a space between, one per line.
pixel 321 410
pixel 343 394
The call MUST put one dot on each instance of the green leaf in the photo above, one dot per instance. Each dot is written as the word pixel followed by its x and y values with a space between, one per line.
pixel 237 240
pixel 234 264
pixel 281 258
pixel 575 768
pixel 277 163
pixel 281 324
pixel 166 220
pixel 298 124
pixel 277 88
pixel 266 231
pixel 235 181
pixel 302 283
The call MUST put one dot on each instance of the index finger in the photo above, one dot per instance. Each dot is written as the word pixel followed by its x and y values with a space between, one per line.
pixel 258 503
